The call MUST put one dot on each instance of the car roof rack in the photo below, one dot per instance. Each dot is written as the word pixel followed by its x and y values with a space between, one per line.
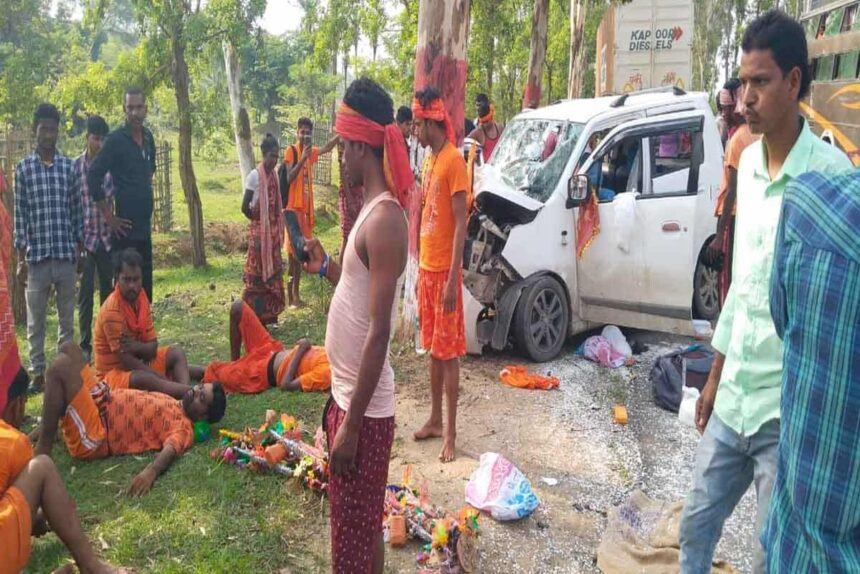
pixel 661 90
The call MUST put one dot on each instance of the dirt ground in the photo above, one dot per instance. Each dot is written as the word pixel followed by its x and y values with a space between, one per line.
pixel 567 435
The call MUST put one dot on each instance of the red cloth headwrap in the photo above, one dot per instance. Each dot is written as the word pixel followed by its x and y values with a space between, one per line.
pixel 435 111
pixel 352 126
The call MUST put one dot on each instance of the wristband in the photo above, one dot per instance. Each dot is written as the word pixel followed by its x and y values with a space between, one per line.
pixel 324 267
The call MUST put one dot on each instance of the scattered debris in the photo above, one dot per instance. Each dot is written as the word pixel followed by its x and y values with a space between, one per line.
pixel 619 413
pixel 449 541
pixel 518 376
pixel 277 447
pixel 549 481
pixel 498 487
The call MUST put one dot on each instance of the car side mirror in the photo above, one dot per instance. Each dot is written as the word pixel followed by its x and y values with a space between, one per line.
pixel 577 189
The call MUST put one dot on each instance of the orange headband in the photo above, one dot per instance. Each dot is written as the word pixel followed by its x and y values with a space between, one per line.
pixel 351 125
pixel 435 111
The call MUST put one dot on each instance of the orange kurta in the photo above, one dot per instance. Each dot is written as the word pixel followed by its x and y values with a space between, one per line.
pixel 300 198
pixel 15 513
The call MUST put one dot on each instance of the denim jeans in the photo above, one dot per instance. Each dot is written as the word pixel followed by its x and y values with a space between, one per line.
pixel 96 262
pixel 726 464
pixel 41 277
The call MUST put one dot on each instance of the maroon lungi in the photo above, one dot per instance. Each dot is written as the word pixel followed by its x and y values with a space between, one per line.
pixel 356 500
pixel 725 277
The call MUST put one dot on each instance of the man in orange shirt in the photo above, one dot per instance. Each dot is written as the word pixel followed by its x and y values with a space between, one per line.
pixel 444 188
pixel 719 252
pixel 98 421
pixel 33 496
pixel 266 364
pixel 126 348
pixel 298 182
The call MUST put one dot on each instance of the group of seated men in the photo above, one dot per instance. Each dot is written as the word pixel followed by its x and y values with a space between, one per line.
pixel 137 398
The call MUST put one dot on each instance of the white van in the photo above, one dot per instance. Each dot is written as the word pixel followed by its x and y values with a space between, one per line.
pixel 655 160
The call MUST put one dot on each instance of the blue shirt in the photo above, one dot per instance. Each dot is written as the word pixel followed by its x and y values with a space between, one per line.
pixel 814 522
pixel 48 220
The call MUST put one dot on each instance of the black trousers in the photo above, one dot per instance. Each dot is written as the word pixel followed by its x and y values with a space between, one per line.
pixel 99 263
pixel 144 247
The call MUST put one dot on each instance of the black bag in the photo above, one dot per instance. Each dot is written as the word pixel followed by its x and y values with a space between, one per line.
pixel 667 374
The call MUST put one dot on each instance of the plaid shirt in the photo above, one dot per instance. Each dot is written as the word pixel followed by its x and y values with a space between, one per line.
pixel 48 220
pixel 96 229
pixel 814 522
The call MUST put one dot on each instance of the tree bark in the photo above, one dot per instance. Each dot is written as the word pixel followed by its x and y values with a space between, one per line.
pixel 179 73
pixel 537 55
pixel 241 123
pixel 440 60
pixel 578 9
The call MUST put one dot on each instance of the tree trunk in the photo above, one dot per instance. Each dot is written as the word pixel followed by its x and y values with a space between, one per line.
pixel 440 60
pixel 537 55
pixel 576 73
pixel 241 123
pixel 180 78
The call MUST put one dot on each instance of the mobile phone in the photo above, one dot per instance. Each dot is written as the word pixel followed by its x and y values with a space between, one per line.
pixel 308 141
pixel 297 239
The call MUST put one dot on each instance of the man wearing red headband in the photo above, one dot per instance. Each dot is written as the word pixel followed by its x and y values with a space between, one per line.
pixel 359 417
pixel 444 188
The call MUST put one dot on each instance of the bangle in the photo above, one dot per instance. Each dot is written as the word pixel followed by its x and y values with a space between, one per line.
pixel 324 267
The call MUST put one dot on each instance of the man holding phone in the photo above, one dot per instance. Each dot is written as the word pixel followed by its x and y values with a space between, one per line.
pixel 297 182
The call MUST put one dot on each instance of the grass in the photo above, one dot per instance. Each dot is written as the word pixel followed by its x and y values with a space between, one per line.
pixel 200 516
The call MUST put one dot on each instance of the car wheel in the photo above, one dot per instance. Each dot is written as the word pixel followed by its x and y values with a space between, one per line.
pixel 541 320
pixel 706 292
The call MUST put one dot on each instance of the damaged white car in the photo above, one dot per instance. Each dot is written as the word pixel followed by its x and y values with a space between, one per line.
pixel 654 160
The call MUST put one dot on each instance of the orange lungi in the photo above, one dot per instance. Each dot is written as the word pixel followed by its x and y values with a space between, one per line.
pixel 443 334
pixel 249 373
pixel 121 379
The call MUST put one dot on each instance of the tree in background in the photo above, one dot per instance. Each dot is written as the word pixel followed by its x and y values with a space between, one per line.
pixel 440 56
pixel 537 55
pixel 174 25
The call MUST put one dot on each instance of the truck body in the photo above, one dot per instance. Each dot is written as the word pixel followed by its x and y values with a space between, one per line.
pixel 644 44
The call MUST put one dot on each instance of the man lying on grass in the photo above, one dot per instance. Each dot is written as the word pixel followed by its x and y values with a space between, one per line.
pixel 98 421
pixel 127 355
pixel 33 498
pixel 266 363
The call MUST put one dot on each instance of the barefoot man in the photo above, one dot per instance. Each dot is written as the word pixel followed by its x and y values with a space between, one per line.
pixel 359 417
pixel 266 363
pixel 440 276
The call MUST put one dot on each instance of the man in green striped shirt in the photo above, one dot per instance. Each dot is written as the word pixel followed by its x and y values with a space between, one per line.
pixel 738 412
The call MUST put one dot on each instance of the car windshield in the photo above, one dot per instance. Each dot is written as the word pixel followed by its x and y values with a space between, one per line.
pixel 532 154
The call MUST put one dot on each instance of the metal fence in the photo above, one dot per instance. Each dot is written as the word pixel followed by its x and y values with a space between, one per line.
pixel 322 169
pixel 15 145
pixel 162 196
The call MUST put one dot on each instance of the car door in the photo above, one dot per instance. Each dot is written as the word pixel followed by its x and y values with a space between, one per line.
pixel 667 210
pixel 607 275
pixel 647 285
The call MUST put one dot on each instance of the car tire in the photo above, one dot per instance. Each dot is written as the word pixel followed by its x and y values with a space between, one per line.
pixel 706 292
pixel 541 320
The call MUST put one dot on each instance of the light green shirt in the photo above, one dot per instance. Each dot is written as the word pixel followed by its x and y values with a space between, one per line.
pixel 748 395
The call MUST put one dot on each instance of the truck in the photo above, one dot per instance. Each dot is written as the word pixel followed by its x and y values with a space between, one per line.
pixel 644 44
pixel 833 36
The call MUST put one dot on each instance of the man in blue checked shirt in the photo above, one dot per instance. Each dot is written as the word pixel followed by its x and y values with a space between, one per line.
pixel 814 522
pixel 48 235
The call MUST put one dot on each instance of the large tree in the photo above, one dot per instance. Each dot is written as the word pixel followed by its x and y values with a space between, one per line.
pixel 537 54
pixel 440 59
pixel 173 24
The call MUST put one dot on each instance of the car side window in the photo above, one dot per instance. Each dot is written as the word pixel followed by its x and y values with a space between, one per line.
pixel 618 169
pixel 671 160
